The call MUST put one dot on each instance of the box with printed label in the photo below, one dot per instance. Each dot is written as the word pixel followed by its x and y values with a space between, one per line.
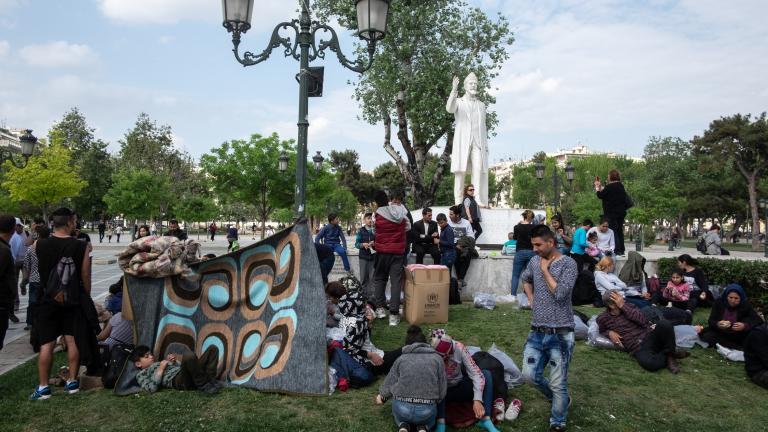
pixel 427 302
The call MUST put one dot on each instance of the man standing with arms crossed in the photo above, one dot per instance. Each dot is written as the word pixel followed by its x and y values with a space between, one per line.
pixel 548 282
pixel 54 318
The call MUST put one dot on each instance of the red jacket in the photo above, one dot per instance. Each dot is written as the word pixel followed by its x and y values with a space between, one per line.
pixel 391 226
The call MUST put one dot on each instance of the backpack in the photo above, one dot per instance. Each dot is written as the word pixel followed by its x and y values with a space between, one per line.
pixel 454 292
pixel 63 284
pixel 118 357
pixel 584 290
pixel 701 245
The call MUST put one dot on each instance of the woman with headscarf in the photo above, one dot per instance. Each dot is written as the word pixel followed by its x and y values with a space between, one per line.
pixel 731 319
pixel 475 385
pixel 350 359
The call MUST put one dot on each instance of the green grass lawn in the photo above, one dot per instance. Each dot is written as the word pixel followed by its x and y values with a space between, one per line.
pixel 610 391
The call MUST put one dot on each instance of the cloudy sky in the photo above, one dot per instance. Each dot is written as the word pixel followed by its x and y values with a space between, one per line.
pixel 607 74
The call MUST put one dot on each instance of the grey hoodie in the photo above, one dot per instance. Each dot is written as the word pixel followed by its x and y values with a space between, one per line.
pixel 418 376
pixel 395 213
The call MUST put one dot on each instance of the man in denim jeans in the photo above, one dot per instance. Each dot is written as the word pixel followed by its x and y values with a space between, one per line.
pixel 548 282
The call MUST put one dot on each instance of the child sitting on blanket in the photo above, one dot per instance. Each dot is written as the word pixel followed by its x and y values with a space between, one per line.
pixel 188 373
pixel 592 249
pixel 677 289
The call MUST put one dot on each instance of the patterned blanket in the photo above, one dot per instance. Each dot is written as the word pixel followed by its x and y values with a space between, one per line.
pixel 262 308
pixel 155 256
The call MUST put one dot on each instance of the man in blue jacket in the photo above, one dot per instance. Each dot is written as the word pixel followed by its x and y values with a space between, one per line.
pixel 332 236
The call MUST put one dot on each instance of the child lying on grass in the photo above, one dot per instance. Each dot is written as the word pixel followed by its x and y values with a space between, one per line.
pixel 188 373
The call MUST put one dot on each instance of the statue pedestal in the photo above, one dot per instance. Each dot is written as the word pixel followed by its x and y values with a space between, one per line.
pixel 497 223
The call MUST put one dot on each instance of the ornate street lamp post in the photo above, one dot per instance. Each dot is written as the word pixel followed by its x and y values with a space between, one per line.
pixel 372 26
pixel 569 173
pixel 28 142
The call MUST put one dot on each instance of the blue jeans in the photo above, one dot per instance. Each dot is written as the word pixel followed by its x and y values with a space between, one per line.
pixel 637 301
pixel 339 249
pixel 464 392
pixel 448 258
pixel 556 350
pixel 347 367
pixel 326 265
pixel 522 257
pixel 414 413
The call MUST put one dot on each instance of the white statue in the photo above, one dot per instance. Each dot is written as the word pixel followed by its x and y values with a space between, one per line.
pixel 470 140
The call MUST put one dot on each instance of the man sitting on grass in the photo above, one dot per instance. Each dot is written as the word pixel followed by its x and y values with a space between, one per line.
pixel 653 346
pixel 188 374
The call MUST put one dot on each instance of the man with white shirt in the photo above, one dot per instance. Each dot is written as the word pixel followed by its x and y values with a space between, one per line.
pixel 462 229
pixel 605 238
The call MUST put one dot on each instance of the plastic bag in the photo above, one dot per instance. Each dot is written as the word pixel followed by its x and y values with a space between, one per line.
pixel 484 301
pixel 580 329
pixel 472 350
pixel 334 334
pixel 512 374
pixel 332 380
pixel 686 337
pixel 595 338
pixel 506 299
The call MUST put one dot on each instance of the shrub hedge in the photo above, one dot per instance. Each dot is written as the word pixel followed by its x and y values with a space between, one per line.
pixel 752 275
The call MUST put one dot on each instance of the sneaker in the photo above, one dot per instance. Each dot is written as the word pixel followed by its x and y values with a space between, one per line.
pixel 403 427
pixel 498 409
pixel 556 428
pixel 39 394
pixel 394 320
pixel 381 313
pixel 343 384
pixel 72 387
pixel 14 319
pixel 422 428
pixel 513 410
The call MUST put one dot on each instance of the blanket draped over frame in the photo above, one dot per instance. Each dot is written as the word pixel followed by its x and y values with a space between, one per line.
pixel 262 308
pixel 155 256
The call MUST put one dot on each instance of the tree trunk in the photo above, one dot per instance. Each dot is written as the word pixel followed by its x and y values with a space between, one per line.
pixel 753 210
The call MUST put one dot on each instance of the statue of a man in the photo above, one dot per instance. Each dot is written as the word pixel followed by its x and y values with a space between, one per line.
pixel 470 140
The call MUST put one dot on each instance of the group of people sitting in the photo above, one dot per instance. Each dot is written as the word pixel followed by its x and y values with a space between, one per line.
pixel 389 235
pixel 422 376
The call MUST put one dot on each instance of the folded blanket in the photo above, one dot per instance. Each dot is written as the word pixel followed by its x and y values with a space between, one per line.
pixel 159 257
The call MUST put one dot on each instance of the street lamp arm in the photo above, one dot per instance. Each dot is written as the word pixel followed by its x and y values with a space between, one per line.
pixel 359 65
pixel 291 49
pixel 6 154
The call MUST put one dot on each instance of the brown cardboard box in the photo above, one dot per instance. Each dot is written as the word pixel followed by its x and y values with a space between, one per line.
pixel 426 295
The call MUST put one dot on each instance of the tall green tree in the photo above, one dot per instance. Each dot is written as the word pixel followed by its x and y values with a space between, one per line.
pixel 247 171
pixel 137 194
pixel 744 142
pixel 427 43
pixel 149 146
pixel 89 156
pixel 361 184
pixel 48 178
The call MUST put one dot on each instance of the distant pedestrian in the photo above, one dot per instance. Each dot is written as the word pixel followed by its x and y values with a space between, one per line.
pixel 175 231
pixel 18 248
pixel 102 231
pixel 111 232
pixel 232 236
pixel 616 202
pixel 118 232
pixel 332 235
pixel 212 230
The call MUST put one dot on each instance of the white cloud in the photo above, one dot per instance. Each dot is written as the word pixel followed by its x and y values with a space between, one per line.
pixel 165 40
pixel 164 100
pixel 5 48
pixel 58 54
pixel 174 11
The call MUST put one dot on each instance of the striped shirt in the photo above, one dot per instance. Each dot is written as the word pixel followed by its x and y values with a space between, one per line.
pixel 30 265
pixel 122 331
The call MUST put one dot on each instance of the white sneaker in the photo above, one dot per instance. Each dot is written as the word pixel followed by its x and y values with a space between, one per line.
pixel 394 320
pixel 498 407
pixel 514 410
pixel 381 313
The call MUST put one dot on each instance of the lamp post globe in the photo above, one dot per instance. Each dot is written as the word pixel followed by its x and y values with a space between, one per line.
pixel 282 162
pixel 372 19
pixel 539 170
pixel 28 142
pixel 569 172
pixel 237 14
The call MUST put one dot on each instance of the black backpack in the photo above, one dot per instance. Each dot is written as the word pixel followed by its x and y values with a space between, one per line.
pixel 63 284
pixel 584 290
pixel 701 245
pixel 454 292
pixel 118 357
